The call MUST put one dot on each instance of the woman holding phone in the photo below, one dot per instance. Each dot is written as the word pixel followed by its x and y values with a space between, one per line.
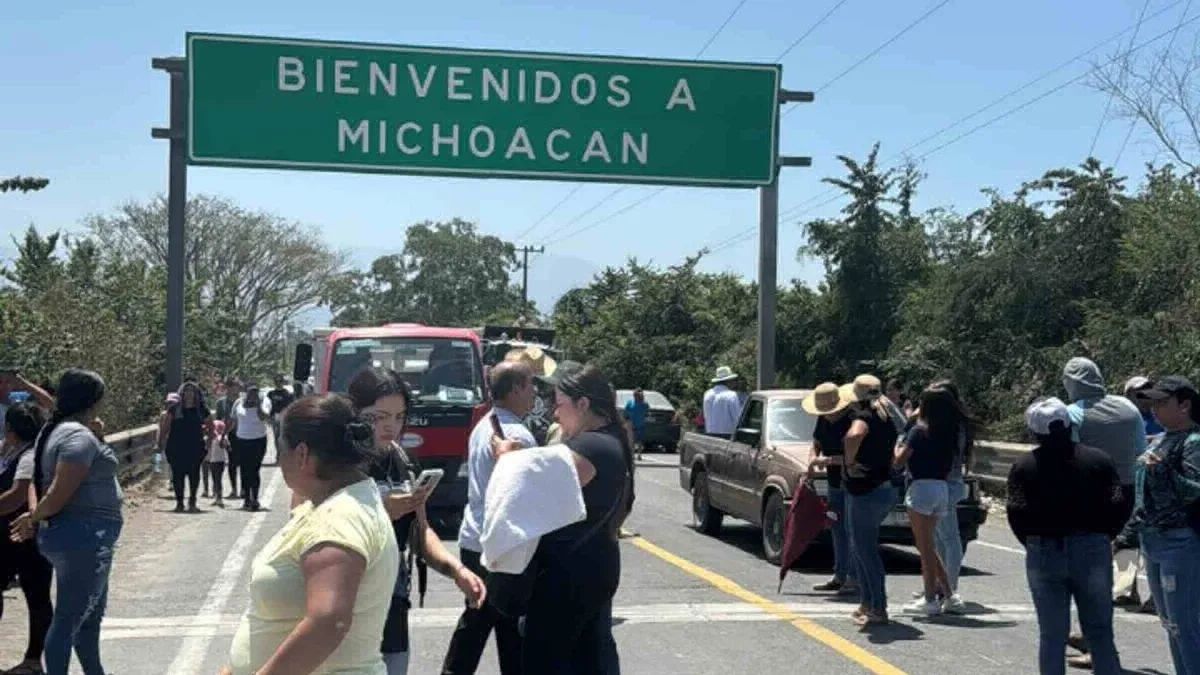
pixel 382 399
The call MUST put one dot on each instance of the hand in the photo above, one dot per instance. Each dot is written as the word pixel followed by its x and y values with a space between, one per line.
pixel 22 528
pixel 501 447
pixel 1150 458
pixel 400 504
pixel 471 585
pixel 225 670
pixel 97 427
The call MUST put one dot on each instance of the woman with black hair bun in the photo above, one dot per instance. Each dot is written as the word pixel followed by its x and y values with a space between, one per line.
pixel 382 399
pixel 77 519
pixel 568 624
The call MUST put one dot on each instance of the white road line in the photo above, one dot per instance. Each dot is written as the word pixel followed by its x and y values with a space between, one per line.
pixel 998 547
pixel 670 613
pixel 1021 552
pixel 207 622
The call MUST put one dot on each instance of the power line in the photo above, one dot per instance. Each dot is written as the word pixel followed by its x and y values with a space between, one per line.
pixel 645 198
pixel 588 211
pixel 1000 99
pixel 1108 103
pixel 715 34
pixel 1153 75
pixel 870 55
pixel 546 215
pixel 720 29
pixel 816 25
pixel 745 234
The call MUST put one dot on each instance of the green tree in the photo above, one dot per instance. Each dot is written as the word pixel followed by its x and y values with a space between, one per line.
pixel 248 274
pixel 448 274
pixel 23 184
pixel 873 255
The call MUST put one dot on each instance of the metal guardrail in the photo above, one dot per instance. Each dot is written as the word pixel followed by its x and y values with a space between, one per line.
pixel 992 461
pixel 135 450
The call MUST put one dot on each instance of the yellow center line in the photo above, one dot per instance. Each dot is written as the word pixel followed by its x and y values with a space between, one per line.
pixel 810 628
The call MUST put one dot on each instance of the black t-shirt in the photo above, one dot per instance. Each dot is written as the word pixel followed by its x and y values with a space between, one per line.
pixel 874 455
pixel 831 436
pixel 1058 492
pixel 931 458
pixel 280 399
pixel 595 561
pixel 397 468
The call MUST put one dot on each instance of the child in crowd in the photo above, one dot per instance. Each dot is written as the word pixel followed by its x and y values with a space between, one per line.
pixel 215 460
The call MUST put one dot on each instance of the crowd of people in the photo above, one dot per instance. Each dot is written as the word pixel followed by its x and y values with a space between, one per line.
pixel 330 592
pixel 1111 488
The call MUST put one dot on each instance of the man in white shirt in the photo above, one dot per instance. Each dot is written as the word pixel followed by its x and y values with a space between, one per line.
pixel 514 391
pixel 723 403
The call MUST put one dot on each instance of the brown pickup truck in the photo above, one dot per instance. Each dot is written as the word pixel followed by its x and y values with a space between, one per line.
pixel 753 475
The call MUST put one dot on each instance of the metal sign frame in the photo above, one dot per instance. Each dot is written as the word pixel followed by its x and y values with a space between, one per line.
pixel 179 136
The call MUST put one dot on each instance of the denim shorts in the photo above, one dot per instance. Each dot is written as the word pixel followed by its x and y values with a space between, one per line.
pixel 928 497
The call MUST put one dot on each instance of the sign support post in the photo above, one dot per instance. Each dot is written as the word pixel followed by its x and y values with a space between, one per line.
pixel 176 207
pixel 768 252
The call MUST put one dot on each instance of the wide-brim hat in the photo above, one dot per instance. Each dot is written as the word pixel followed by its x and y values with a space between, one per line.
pixel 725 374
pixel 543 364
pixel 863 388
pixel 826 399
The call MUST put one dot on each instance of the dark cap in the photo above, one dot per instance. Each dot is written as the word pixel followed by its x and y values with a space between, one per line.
pixel 1172 385
pixel 564 370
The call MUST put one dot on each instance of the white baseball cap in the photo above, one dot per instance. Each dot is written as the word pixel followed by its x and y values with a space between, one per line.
pixel 1044 413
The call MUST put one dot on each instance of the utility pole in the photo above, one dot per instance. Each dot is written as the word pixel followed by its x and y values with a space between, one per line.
pixel 176 204
pixel 525 251
pixel 768 253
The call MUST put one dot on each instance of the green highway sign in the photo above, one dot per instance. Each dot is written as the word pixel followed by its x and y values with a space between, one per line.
pixel 306 104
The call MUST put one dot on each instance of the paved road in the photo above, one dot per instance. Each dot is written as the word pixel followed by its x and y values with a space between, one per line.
pixel 688 603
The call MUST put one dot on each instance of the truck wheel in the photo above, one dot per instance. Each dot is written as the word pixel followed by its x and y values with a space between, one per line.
pixel 708 518
pixel 773 524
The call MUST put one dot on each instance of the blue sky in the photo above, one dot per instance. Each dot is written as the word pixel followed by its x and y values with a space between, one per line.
pixel 78 99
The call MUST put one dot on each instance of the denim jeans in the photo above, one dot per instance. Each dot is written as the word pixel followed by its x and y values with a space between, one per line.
pixel 946 536
pixel 865 514
pixel 81 551
pixel 1174 576
pixel 843 558
pixel 1079 567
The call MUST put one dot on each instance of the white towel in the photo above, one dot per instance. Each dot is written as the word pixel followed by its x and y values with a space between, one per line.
pixel 531 493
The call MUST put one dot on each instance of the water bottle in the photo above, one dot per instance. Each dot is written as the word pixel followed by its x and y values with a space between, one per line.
pixel 158 462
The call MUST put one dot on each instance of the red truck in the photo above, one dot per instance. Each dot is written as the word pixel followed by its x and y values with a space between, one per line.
pixel 443 366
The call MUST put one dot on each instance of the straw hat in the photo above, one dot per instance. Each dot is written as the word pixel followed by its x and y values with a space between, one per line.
pixel 826 399
pixel 724 374
pixel 863 388
pixel 536 358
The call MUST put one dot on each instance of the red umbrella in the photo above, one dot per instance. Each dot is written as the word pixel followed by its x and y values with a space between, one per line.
pixel 807 518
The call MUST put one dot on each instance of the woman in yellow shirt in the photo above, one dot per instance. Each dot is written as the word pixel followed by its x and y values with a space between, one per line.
pixel 320 588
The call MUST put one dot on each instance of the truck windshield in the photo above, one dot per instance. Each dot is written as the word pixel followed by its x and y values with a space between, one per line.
pixel 787 421
pixel 438 369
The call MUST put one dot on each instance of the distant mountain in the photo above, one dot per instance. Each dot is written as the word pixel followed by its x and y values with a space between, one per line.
pixel 551 276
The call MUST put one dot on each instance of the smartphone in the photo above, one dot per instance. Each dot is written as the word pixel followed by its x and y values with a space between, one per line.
pixel 496 428
pixel 429 479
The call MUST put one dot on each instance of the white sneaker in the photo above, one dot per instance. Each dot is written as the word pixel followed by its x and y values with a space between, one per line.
pixel 954 605
pixel 923 607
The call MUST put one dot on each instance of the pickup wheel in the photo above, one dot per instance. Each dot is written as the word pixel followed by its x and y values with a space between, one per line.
pixel 773 524
pixel 708 518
